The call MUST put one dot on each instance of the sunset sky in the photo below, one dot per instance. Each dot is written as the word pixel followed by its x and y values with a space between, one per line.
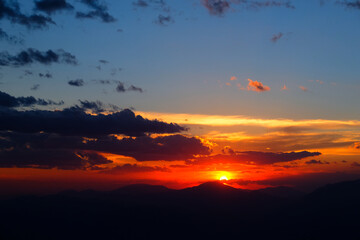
pixel 100 94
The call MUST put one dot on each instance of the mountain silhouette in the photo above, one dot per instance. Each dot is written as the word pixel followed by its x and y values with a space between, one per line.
pixel 211 210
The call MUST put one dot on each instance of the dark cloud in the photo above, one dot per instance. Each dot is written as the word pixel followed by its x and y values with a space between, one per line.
pixel 74 121
pixel 167 148
pixel 31 55
pixel 47 159
pixel 28 72
pixel 355 164
pixel 219 7
pixel 120 87
pixel 96 107
pixel 35 87
pixel 52 6
pixel 39 147
pixel 216 7
pixel 351 4
pixel 45 75
pixel 313 161
pixel 103 61
pixel 104 81
pixel 10 10
pixel 135 168
pixel 276 37
pixel 163 20
pixel 99 10
pixel 10 38
pixel 77 82
pixel 133 88
pixel 259 4
pixel 8 101
pixel 155 4
pixel 252 157
pixel 140 3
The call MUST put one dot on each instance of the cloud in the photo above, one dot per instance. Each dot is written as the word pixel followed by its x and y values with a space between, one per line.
pixel 15 145
pixel 133 88
pixel 253 157
pixel 103 61
pixel 355 164
pixel 259 4
pixel 28 72
pixel 257 86
pixel 356 145
pixel 31 55
pixel 140 3
pixel 74 121
pixel 276 37
pixel 97 106
pixel 8 101
pixel 48 159
pixel 219 7
pixel 351 4
pixel 77 82
pixel 163 20
pixel 10 38
pixel 10 10
pixel 120 87
pixel 313 161
pixel 305 89
pixel 240 120
pixel 52 6
pixel 45 75
pixel 135 168
pixel 99 10
pixel 216 7
pixel 35 87
pixel 103 81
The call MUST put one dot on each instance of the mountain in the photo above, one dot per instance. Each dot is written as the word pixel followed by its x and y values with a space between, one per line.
pixel 211 210
pixel 282 192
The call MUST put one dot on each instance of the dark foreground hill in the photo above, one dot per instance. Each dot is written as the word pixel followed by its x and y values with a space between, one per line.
pixel 208 211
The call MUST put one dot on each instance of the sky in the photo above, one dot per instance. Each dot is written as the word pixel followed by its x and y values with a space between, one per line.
pixel 100 94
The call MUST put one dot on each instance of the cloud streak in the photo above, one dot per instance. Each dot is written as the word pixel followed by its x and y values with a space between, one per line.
pixel 52 6
pixel 99 10
pixel 8 101
pixel 74 121
pixel 30 55
pixel 253 157
pixel 11 10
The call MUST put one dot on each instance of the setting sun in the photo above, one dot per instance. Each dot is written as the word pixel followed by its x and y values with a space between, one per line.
pixel 223 178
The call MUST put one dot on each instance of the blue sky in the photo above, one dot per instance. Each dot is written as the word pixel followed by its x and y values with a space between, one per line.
pixel 184 66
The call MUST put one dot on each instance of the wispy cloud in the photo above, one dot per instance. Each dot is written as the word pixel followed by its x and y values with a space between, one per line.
pixel 30 55
pixel 276 37
pixel 305 89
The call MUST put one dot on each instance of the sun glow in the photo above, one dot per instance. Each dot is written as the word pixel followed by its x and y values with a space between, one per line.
pixel 223 178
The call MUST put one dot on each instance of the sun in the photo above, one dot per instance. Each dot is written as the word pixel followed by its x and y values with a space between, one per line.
pixel 223 178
